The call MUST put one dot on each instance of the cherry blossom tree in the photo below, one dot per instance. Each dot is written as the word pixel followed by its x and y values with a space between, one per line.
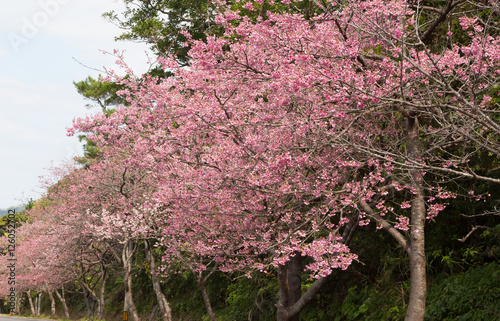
pixel 113 195
pixel 43 258
pixel 285 134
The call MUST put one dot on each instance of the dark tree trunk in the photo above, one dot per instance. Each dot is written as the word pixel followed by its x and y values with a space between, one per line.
pixel 294 273
pixel 152 314
pixel 291 300
pixel 206 299
pixel 88 291
pixel 87 302
pixel 289 277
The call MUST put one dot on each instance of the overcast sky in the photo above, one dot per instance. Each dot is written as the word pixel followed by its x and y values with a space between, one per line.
pixel 40 41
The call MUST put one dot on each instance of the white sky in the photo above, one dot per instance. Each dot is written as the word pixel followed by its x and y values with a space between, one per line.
pixel 38 40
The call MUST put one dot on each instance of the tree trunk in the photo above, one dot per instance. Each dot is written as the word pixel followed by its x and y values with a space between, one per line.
pixel 291 302
pixel 294 273
pixel 88 291
pixel 128 305
pixel 206 298
pixel 100 306
pixel 166 312
pixel 52 303
pixel 30 300
pixel 289 277
pixel 87 303
pixel 152 314
pixel 19 300
pixel 63 301
pixel 38 303
pixel 418 289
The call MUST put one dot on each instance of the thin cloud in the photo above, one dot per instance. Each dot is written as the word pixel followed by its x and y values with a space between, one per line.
pixel 38 98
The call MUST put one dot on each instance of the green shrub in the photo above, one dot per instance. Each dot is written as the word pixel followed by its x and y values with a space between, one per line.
pixel 473 295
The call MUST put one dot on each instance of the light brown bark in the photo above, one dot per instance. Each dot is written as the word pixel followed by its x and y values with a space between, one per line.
pixel 63 301
pixel 52 303
pixel 101 305
pixel 19 301
pixel 166 312
pixel 30 300
pixel 418 288
pixel 38 303
pixel 129 305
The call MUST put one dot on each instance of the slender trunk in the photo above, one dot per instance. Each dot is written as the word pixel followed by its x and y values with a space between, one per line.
pixel 94 302
pixel 100 306
pixel 38 303
pixel 87 303
pixel 418 289
pixel 19 300
pixel 152 314
pixel 206 298
pixel 63 301
pixel 52 303
pixel 128 250
pixel 166 312
pixel 30 300
pixel 99 300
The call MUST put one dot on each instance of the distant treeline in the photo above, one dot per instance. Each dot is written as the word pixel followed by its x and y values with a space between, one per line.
pixel 17 209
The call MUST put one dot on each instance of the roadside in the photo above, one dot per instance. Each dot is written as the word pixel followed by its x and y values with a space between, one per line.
pixel 10 318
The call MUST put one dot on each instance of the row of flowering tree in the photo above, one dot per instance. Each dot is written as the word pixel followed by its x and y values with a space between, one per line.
pixel 283 137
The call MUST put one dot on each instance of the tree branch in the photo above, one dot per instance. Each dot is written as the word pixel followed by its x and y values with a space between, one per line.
pixel 386 226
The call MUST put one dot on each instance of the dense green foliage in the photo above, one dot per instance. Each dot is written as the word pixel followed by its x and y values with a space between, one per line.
pixel 473 295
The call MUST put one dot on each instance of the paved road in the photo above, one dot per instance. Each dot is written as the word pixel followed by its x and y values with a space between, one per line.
pixel 7 318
